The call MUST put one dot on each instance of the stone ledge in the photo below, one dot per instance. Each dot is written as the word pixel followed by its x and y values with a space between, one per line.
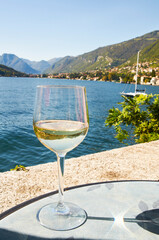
pixel 137 162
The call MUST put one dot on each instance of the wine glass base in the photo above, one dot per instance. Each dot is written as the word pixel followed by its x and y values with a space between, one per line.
pixel 51 218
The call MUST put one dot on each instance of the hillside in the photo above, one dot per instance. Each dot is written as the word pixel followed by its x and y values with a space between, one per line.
pixel 11 60
pixel 151 52
pixel 104 57
pixel 148 54
pixel 61 65
pixel 54 60
pixel 10 72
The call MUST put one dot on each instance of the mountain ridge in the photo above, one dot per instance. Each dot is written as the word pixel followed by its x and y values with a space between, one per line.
pixel 38 66
pixel 25 65
pixel 11 60
pixel 105 57
pixel 101 58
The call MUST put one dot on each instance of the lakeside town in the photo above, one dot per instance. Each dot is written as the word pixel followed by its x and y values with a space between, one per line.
pixel 147 75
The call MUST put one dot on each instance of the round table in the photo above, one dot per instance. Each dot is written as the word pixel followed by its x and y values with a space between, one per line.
pixel 126 210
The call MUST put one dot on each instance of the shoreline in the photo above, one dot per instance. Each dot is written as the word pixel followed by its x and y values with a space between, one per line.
pixel 136 162
pixel 100 80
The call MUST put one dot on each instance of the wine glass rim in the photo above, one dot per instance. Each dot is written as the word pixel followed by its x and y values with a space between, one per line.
pixel 59 86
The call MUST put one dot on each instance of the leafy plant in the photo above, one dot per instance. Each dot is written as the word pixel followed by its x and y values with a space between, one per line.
pixel 138 119
pixel 19 168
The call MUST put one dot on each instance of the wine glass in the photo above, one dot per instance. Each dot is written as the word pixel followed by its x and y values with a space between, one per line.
pixel 61 123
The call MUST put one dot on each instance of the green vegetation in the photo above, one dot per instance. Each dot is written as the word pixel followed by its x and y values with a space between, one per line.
pixel 138 119
pixel 19 168
pixel 151 52
pixel 10 72
pixel 98 75
pixel 148 54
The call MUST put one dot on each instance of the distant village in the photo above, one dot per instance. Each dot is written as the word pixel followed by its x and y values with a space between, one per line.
pixel 147 74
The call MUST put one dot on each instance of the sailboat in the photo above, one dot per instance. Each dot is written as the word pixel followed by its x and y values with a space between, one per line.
pixel 137 91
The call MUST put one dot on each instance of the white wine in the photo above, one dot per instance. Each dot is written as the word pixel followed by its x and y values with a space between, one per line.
pixel 60 136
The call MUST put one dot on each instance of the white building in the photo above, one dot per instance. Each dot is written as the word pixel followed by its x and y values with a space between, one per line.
pixel 153 81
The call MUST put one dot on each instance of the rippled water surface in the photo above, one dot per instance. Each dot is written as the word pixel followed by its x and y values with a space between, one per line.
pixel 18 144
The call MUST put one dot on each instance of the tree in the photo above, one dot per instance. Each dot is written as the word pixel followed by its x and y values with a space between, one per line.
pixel 153 74
pixel 138 119
pixel 44 75
pixel 104 78
pixel 99 74
pixel 110 76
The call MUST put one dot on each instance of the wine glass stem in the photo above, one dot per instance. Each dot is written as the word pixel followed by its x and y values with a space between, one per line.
pixel 60 162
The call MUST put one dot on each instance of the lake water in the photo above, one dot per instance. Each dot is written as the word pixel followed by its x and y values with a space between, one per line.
pixel 18 143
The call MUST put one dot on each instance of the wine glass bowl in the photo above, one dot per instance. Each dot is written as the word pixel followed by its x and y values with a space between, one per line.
pixel 61 123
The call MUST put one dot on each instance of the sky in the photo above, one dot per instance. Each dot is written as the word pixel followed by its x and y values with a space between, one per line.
pixel 45 29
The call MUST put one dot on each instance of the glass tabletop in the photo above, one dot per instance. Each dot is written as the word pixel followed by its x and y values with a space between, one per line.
pixel 115 210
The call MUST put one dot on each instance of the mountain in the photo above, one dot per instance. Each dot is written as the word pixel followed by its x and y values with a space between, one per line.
pixel 25 65
pixel 104 57
pixel 11 60
pixel 38 66
pixel 151 53
pixel 41 66
pixel 60 66
pixel 148 54
pixel 54 60
pixel 123 53
pixel 10 72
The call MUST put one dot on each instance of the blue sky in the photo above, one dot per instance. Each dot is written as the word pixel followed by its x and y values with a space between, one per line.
pixel 44 29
